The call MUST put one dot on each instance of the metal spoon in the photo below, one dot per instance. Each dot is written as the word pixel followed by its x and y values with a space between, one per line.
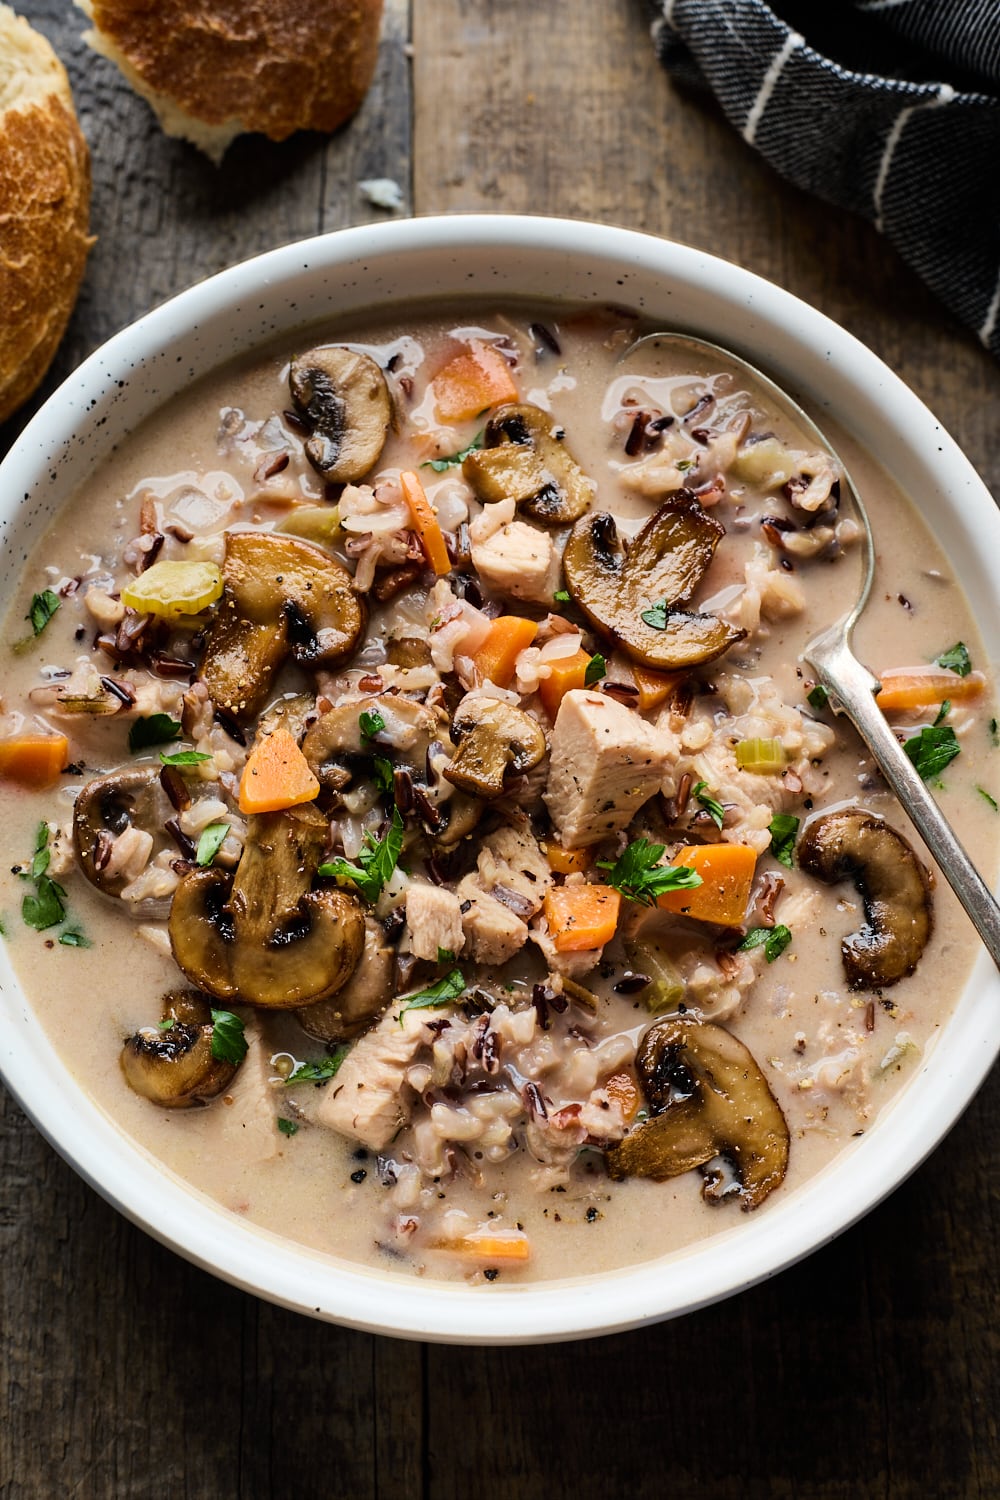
pixel 852 686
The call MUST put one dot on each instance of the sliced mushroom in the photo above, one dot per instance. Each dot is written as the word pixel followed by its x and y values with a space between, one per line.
pixel 894 887
pixel 494 742
pixel 345 401
pixel 408 727
pixel 282 597
pixel 105 808
pixel 707 1098
pixel 619 591
pixel 524 458
pixel 173 1066
pixel 364 997
pixel 263 935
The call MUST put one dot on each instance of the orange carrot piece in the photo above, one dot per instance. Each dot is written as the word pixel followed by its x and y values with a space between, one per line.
pixel 623 1087
pixel 567 861
pixel 654 687
pixel 425 523
pixel 477 378
pixel 582 917
pixel 489 1246
pixel 34 759
pixel 567 672
pixel 276 775
pixel 497 656
pixel 924 687
pixel 726 872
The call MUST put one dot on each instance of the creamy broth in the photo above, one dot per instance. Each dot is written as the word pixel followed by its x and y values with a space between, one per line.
pixel 468 1166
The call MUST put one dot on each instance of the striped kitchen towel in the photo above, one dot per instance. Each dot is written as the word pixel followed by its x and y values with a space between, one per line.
pixel 887 107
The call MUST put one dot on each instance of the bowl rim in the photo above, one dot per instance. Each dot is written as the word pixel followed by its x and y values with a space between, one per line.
pixel 372 1300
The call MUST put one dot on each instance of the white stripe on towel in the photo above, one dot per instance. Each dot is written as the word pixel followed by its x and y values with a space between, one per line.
pixel 945 94
pixel 788 46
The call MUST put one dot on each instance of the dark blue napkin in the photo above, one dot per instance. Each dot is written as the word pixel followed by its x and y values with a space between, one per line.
pixel 887 107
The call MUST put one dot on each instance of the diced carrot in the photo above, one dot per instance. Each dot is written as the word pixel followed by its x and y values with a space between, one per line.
pixel 425 523
pixel 477 378
pixel 489 1246
pixel 497 656
pixel 276 775
pixel 623 1087
pixel 567 672
pixel 654 687
pixel 582 917
pixel 726 872
pixel 567 861
pixel 923 687
pixel 34 759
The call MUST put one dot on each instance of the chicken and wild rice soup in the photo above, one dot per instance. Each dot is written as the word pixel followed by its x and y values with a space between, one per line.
pixel 428 840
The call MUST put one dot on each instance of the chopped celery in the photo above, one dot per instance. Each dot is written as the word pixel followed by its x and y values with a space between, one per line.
pixel 314 523
pixel 174 588
pixel 766 462
pixel 761 756
pixel 666 988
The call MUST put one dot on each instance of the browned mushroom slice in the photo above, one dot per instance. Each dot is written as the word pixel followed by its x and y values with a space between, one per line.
pixel 852 844
pixel 495 741
pixel 344 399
pixel 173 1065
pixel 282 597
pixel 707 1098
pixel 363 998
pixel 637 598
pixel 524 458
pixel 263 935
pixel 106 808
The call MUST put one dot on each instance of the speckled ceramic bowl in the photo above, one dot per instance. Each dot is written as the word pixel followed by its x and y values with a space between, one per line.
pixel 494 258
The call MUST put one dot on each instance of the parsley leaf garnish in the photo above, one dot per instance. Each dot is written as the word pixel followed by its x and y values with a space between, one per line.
pixel 994 732
pixel 715 809
pixel 73 938
pixel 783 827
pixel 156 729
pixel 819 697
pixel 657 615
pixel 943 712
pixel 371 724
pixel 445 956
pixel 210 842
pixel 442 993
pixel 440 464
pixel 184 758
pixel 320 1071
pixel 45 908
pixel 229 1044
pixel 376 861
pixel 597 668
pixel 383 773
pixel 956 659
pixel 562 596
pixel 41 609
pixel 638 874
pixel 932 749
pixel 774 941
pixel 987 798
pixel 287 1127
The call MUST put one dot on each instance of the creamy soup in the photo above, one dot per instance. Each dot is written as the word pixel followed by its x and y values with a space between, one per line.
pixel 427 840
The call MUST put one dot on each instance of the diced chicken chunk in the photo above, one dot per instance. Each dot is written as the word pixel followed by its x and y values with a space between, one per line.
pixel 510 858
pixel 493 933
pixel 434 920
pixel 605 763
pixel 369 1099
pixel 250 1121
pixel 518 560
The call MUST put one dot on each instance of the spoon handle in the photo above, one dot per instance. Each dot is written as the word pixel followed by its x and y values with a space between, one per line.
pixel 853 685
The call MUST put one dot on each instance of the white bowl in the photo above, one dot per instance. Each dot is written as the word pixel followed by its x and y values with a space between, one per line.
pixel 497 258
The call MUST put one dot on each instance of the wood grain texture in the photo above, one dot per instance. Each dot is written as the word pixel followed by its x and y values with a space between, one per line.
pixel 869 1371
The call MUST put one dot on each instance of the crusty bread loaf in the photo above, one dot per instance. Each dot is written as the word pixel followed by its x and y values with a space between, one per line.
pixel 44 207
pixel 212 69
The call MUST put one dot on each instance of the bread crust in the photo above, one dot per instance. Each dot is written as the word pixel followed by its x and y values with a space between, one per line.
pixel 44 210
pixel 274 66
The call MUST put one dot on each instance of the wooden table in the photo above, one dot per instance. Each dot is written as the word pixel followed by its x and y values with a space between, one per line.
pixel 871 1370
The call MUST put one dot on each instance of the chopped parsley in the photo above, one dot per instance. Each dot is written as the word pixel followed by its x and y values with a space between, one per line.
pixel 818 697
pixel 994 732
pixel 41 609
pixel 638 874
pixel 715 809
pixel 783 827
pixel 932 749
pixel 943 712
pixel 376 862
pixel 442 993
pixel 156 729
pixel 229 1044
pixel 184 758
pixel 73 938
pixel 445 956
pixel 684 465
pixel 210 842
pixel 597 668
pixel 562 596
pixel 371 724
pixel 44 907
pixel 383 773
pixel 320 1071
pixel 774 941
pixel 987 798
pixel 440 464
pixel 656 616
pixel 287 1127
pixel 956 659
